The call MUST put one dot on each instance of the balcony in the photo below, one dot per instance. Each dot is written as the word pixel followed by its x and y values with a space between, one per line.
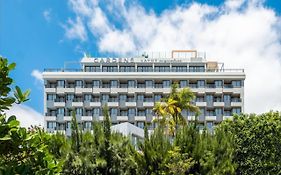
pixel 236 104
pixel 113 104
pixel 227 117
pixel 59 104
pixel 69 90
pixel 190 118
pixel 140 118
pixel 86 118
pixel 77 104
pixel 218 104
pixel 131 104
pixel 50 118
pixel 210 118
pixel 95 104
pixel 201 104
pixel 60 90
pixel 148 104
pixel 122 118
pixel 149 90
pixel 50 90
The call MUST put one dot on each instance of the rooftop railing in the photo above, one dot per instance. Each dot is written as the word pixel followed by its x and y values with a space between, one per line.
pixel 169 70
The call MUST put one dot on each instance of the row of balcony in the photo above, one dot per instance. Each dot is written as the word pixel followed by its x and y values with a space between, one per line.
pixel 123 104
pixel 137 90
pixel 63 119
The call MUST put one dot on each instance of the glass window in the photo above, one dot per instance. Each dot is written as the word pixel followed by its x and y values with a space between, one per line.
pixel 79 111
pixel 148 111
pixel 140 97
pixel 218 83
pixel 51 97
pixel 141 113
pixel 60 83
pixel 209 98
pixel 218 111
pixel 92 68
pixel 162 69
pixel 227 98
pixel 104 97
pixel 179 68
pixel 113 83
pixel 183 83
pixel 166 83
pixel 145 69
pixel 201 83
pixel 51 125
pixel 79 83
pixel 236 110
pixel 131 83
pixel 140 124
pixel 123 113
pixel 113 112
pixel 157 97
pixel 227 113
pixel 210 126
pixel 122 97
pixel 236 83
pixel 96 83
pixel 96 112
pixel 60 111
pixel 196 69
pixel 131 112
pixel 88 97
pixel 88 125
pixel 148 83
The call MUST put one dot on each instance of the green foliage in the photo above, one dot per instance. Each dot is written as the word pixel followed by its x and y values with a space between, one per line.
pixel 257 141
pixel 21 151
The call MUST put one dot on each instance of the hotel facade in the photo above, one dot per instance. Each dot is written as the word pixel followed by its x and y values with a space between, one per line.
pixel 130 87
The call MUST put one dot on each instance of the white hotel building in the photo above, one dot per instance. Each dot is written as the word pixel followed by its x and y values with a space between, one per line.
pixel 131 86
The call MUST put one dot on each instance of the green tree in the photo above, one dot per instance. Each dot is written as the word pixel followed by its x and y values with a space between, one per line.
pixel 21 151
pixel 257 141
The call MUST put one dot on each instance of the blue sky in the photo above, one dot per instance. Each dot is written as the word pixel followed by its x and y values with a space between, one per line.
pixel 37 34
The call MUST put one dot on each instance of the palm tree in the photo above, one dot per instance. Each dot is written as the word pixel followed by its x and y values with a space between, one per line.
pixel 171 107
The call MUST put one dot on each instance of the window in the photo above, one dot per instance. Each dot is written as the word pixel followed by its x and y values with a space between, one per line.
pixel 179 68
pixel 60 83
pixel 183 83
pixel 92 68
pixel 236 83
pixel 209 98
pixel 51 97
pixel 131 112
pixel 109 69
pixel 131 99
pixel 218 111
pixel 60 111
pixel 51 125
pixel 122 98
pixel 113 112
pixel 199 99
pixel 148 83
pixel 123 113
pixel 127 68
pixel 166 83
pixel 104 97
pixel 210 113
pixel 141 113
pixel 88 97
pixel 140 97
pixel 210 126
pixel 226 98
pixel 218 83
pixel 140 124
pixel 131 83
pixel 196 68
pixel 79 111
pixel 145 69
pixel 157 97
pixel 96 83
pixel 68 125
pixel 148 111
pixel 96 112
pixel 201 83
pixel 79 83
pixel 162 69
pixel 113 83
pixel 88 125
pixel 236 110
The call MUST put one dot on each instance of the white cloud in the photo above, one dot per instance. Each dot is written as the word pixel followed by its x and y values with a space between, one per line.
pixel 47 15
pixel 75 29
pixel 37 75
pixel 26 115
pixel 242 34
